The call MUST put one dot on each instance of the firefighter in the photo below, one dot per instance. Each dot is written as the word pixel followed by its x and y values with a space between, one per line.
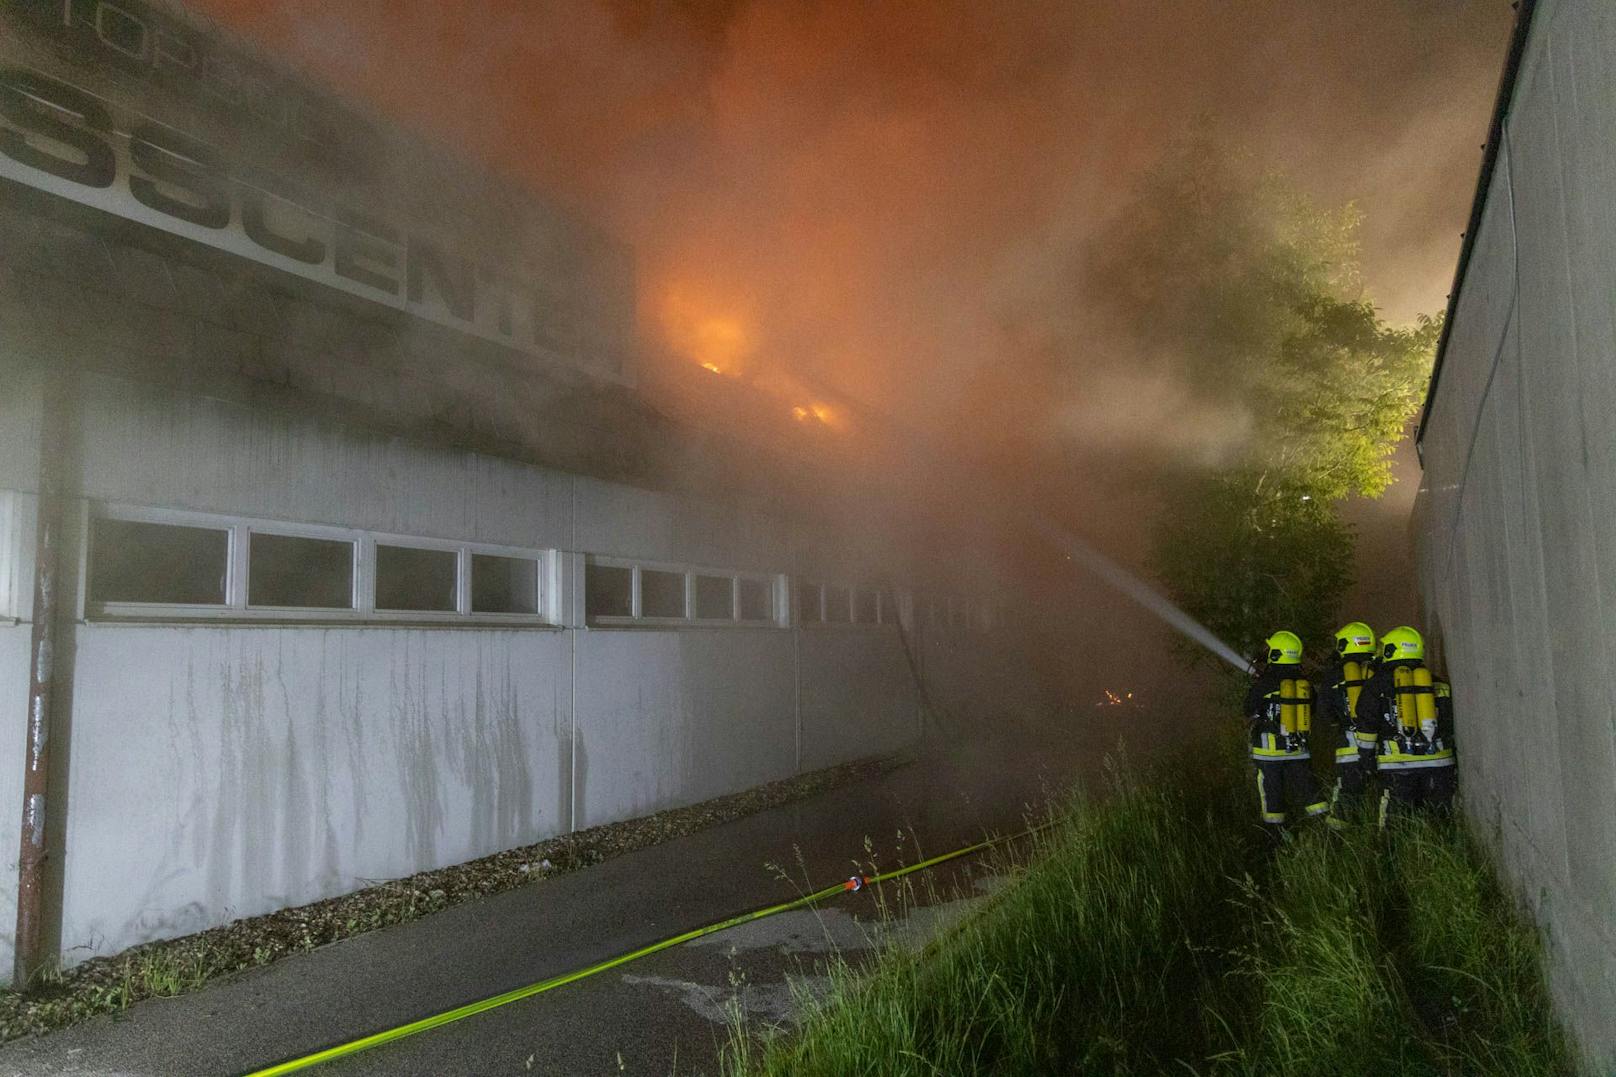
pixel 1411 714
pixel 1347 673
pixel 1279 708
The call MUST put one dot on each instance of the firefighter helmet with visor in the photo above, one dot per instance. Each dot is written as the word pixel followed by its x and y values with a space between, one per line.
pixel 1355 638
pixel 1402 644
pixel 1284 649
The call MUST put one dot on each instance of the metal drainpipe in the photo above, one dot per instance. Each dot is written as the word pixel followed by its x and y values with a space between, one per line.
pixel 796 690
pixel 574 621
pixel 55 414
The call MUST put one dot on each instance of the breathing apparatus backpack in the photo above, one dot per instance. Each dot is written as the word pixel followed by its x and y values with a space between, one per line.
pixel 1289 711
pixel 1411 715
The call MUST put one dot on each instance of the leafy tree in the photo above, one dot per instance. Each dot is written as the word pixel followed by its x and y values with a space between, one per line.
pixel 1245 556
pixel 1241 287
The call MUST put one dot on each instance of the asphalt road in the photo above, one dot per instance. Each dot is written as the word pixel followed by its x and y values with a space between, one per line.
pixel 668 1013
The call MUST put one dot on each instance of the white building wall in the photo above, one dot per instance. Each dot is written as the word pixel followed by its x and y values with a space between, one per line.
pixel 213 771
pixel 225 772
pixel 1517 514
pixel 147 446
pixel 858 696
pixel 676 716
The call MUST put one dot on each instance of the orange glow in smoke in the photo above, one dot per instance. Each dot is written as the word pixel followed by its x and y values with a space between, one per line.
pixel 715 342
pixel 823 414
pixel 708 332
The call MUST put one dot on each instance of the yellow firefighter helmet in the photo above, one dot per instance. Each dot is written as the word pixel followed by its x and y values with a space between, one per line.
pixel 1284 649
pixel 1401 644
pixel 1355 638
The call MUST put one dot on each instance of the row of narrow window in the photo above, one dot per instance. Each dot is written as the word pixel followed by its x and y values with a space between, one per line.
pixel 138 565
pixel 619 592
pixel 146 563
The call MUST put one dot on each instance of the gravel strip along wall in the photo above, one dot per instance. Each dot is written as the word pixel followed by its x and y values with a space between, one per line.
pixel 169 967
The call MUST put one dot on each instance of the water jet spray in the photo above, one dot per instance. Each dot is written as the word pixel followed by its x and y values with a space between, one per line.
pixel 1138 590
pixel 1111 573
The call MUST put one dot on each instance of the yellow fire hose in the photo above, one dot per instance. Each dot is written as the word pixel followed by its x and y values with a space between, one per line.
pixel 460 1013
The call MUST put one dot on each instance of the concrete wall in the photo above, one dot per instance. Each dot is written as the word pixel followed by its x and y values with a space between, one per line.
pixel 211 771
pixel 1516 521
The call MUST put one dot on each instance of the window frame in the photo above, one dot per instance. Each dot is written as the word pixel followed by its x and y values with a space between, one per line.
pixel 357 583
pixel 235 578
pixel 363 611
pixel 818 587
pixel 18 522
pixel 845 620
pixel 693 598
pixel 689 572
pixel 614 619
pixel 411 542
pixel 546 608
pixel 688 598
pixel 771 588
pixel 886 607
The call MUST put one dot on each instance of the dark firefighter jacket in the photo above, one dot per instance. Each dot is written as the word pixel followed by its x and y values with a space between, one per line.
pixel 1332 707
pixel 1398 747
pixel 1269 740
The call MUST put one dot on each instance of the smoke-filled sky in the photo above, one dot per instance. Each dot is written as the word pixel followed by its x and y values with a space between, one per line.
pixel 894 196
pixel 899 198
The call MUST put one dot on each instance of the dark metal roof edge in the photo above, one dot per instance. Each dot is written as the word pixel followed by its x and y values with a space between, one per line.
pixel 1495 138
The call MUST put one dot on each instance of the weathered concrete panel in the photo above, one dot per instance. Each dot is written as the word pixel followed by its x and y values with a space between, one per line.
pixel 224 772
pixel 154 447
pixel 858 697
pixel 1566 472
pixel 626 521
pixel 217 771
pixel 1518 562
pixel 672 717
pixel 1519 641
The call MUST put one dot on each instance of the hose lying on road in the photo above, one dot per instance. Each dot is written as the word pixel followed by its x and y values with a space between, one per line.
pixel 459 1013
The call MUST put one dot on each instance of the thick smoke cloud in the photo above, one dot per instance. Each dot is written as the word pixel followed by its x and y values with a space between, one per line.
pixel 895 198
pixel 906 201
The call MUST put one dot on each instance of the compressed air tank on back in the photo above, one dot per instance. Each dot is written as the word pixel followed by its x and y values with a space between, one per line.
pixel 1304 706
pixel 1287 706
pixel 1407 712
pixel 1425 702
pixel 1353 671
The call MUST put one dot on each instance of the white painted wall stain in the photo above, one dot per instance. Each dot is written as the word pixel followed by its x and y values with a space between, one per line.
pixel 280 766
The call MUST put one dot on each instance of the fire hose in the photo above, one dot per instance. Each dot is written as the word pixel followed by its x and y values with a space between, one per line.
pixel 493 1002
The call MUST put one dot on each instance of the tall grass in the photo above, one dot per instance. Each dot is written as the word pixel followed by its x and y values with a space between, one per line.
pixel 1094 960
pixel 1155 930
pixel 1472 962
pixel 1326 997
pixel 1393 951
